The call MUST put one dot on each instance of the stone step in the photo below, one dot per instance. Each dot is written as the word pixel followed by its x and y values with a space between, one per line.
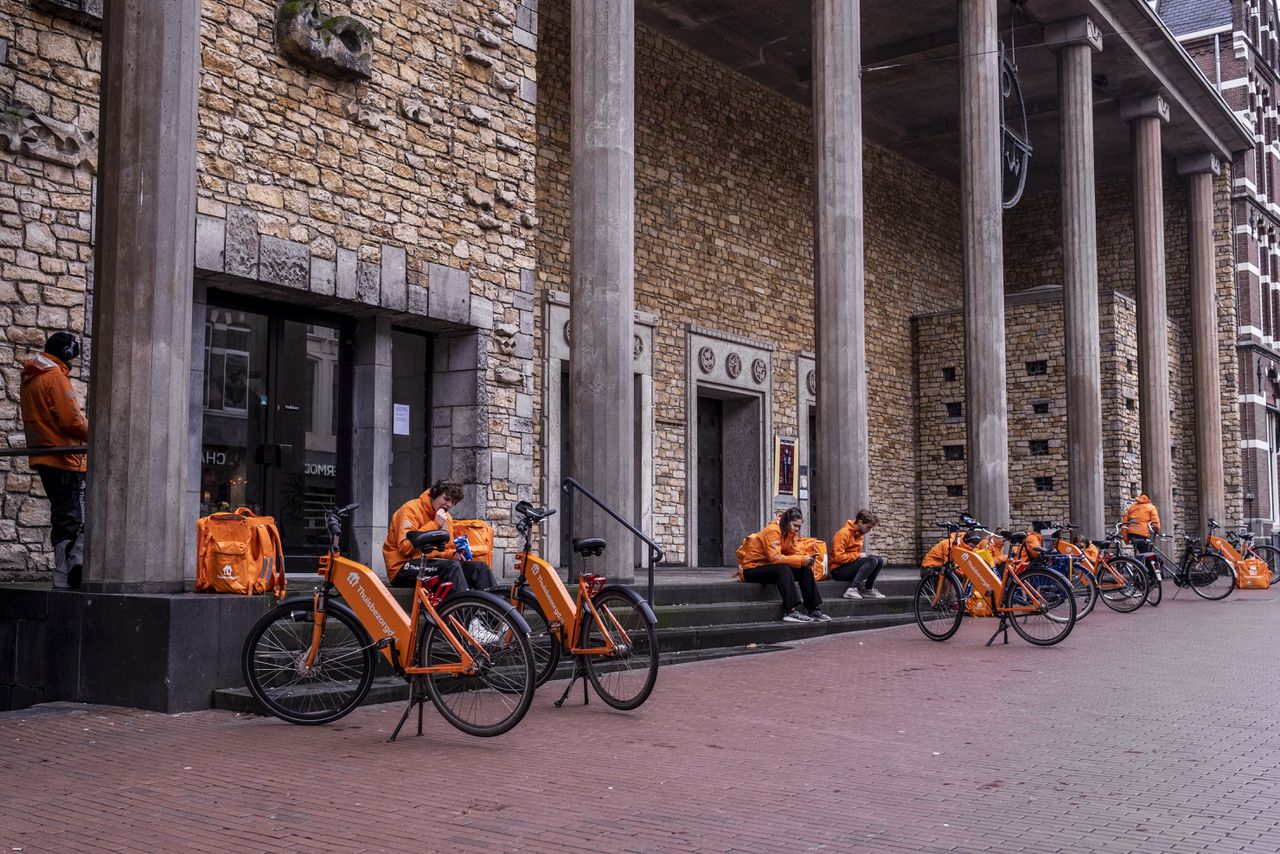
pixel 736 612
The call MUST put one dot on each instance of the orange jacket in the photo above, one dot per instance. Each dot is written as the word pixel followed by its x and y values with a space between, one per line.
pixel 1142 519
pixel 51 415
pixel 1091 554
pixel 767 547
pixel 846 545
pixel 414 515
pixel 939 554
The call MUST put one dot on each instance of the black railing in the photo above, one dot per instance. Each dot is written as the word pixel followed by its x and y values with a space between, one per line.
pixel 569 487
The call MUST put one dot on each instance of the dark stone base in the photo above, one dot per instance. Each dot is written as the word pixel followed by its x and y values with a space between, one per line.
pixel 167 653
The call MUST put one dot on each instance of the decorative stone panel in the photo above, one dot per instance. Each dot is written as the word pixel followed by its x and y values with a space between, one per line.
pixel 337 45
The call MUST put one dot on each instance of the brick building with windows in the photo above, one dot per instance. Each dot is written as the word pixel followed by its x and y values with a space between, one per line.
pixel 708 261
pixel 1237 46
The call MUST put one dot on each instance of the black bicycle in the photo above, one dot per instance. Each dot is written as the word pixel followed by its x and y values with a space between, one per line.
pixel 1208 574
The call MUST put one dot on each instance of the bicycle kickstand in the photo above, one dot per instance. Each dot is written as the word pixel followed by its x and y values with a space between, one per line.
pixel 578 671
pixel 416 698
pixel 1003 627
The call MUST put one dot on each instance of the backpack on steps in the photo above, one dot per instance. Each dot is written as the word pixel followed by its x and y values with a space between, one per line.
pixel 239 553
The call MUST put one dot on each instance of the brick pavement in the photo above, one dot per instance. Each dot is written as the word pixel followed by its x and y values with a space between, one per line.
pixel 1152 732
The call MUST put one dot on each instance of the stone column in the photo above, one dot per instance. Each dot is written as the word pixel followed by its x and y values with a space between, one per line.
pixel 841 488
pixel 603 259
pixel 371 440
pixel 1146 116
pixel 1079 38
pixel 139 513
pixel 1200 171
pixel 982 221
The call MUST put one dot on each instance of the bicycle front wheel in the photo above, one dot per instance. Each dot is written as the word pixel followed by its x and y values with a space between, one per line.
pixel 544 643
pixel 494 696
pixel 1122 585
pixel 279 677
pixel 625 676
pixel 1054 607
pixel 939 605
pixel 1155 587
pixel 1212 577
pixel 1085 588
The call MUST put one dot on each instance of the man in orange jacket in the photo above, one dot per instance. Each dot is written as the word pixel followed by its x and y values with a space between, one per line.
pixel 1141 522
pixel 430 512
pixel 848 561
pixel 52 417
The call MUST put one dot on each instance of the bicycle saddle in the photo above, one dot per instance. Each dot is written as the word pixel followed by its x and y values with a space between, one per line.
pixel 588 546
pixel 1102 544
pixel 533 514
pixel 1017 537
pixel 427 541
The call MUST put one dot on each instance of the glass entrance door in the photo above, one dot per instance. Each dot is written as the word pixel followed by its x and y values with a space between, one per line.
pixel 273 413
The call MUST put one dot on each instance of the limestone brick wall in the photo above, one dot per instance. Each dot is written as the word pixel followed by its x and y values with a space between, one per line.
pixel 48 160
pixel 724 241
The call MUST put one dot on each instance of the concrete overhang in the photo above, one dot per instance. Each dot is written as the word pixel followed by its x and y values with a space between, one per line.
pixel 911 87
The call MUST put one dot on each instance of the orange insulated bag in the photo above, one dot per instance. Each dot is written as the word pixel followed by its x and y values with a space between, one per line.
pixel 1253 574
pixel 479 534
pixel 239 553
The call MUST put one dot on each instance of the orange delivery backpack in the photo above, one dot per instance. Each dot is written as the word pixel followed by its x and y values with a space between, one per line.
pixel 239 553
pixel 1253 574
pixel 818 548
pixel 479 534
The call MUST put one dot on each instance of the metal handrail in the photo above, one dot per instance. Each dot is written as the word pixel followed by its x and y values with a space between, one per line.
pixel 568 486
pixel 30 452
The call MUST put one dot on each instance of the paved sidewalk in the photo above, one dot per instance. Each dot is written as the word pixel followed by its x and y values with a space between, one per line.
pixel 1153 732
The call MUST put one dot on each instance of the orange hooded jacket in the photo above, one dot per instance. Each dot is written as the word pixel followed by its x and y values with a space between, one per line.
pixel 415 515
pixel 939 554
pixel 51 415
pixel 846 545
pixel 768 547
pixel 1141 519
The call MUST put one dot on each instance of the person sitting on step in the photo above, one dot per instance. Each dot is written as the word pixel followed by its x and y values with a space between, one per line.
pixel 430 512
pixel 770 556
pixel 848 563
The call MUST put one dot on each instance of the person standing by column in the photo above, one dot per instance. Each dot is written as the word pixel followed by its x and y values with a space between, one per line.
pixel 52 417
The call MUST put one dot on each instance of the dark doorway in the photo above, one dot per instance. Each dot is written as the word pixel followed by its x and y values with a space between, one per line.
pixel 411 416
pixel 710 482
pixel 276 419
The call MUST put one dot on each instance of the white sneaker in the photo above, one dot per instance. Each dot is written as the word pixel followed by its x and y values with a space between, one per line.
pixel 482 633
pixel 852 593
pixel 875 594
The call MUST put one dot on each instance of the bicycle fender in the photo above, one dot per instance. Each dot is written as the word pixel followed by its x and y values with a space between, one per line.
pixel 635 597
pixel 508 610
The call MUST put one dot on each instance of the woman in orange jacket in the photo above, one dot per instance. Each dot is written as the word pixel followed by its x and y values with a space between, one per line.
pixel 848 563
pixel 769 556
pixel 1141 522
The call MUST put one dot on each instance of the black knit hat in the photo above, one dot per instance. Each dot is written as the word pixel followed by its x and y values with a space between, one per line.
pixel 64 345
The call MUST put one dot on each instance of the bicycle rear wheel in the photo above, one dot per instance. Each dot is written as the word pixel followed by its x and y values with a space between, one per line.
pixel 274 662
pixel 1085 588
pixel 939 605
pixel 1272 556
pixel 1055 607
pixel 493 698
pixel 1122 585
pixel 625 677
pixel 1155 587
pixel 1212 577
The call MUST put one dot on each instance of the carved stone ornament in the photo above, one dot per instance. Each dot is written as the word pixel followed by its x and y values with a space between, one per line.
pixel 759 370
pixel 504 338
pixel 26 132
pixel 811 382
pixel 733 365
pixel 707 360
pixel 567 326
pixel 337 46
pixel 637 347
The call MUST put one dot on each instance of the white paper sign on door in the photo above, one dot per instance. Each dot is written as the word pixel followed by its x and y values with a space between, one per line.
pixel 400 419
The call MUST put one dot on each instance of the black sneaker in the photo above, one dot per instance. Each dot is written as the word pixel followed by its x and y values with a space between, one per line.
pixel 818 615
pixel 795 615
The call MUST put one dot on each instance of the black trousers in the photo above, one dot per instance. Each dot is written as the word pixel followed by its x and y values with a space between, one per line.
pixel 794 584
pixel 66 521
pixel 465 574
pixel 862 572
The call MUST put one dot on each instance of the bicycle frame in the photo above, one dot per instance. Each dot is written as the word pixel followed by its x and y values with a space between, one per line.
pixel 972 568
pixel 565 614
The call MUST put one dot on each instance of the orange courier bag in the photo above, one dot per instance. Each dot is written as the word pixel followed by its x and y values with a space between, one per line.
pixel 1253 574
pixel 239 553
pixel 479 534
pixel 818 548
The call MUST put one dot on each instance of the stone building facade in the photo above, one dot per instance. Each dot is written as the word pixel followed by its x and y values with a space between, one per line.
pixel 1237 46
pixel 384 267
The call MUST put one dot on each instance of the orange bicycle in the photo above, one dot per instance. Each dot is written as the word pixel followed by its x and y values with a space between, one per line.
pixel 1038 603
pixel 311 660
pixel 1255 565
pixel 609 630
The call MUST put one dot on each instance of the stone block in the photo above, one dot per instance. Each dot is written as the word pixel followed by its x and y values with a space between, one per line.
pixel 527 19
pixel 464 352
pixel 524 406
pixel 419 301
pixel 469 427
pixel 520 469
pixel 284 262
pixel 211 237
pixel 528 90
pixel 498 465
pixel 323 276
pixel 449 294
pixel 242 243
pixel 346 273
pixel 455 388
pixel 368 287
pixel 482 313
pixel 524 38
pixel 395 293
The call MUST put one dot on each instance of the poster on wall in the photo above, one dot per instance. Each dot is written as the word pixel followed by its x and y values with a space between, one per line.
pixel 785 470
